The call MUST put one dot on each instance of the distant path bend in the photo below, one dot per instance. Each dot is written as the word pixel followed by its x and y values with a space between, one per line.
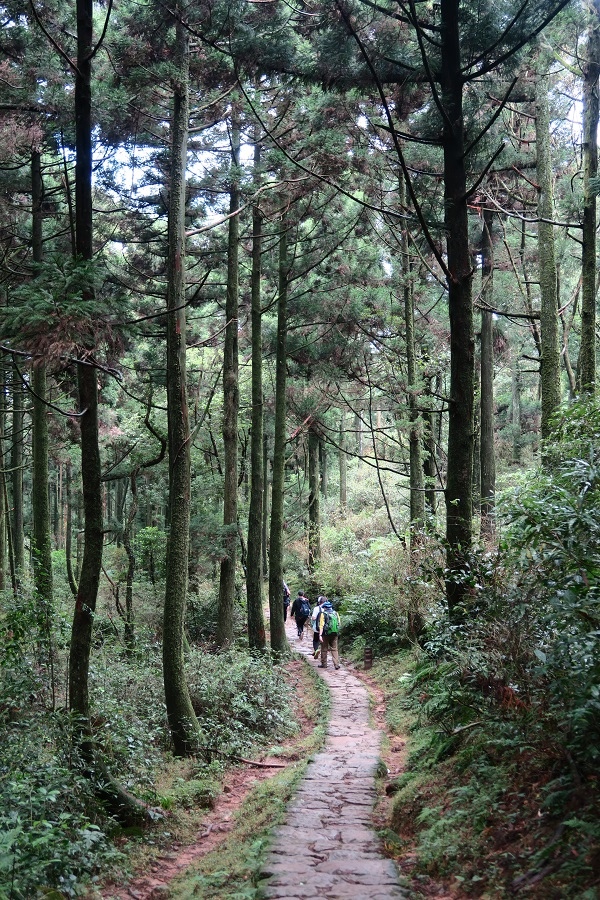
pixel 327 848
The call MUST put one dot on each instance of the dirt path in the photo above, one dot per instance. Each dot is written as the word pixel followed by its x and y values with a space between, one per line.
pixel 327 847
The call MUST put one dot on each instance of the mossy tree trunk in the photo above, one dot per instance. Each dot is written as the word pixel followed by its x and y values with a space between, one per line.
pixel 254 569
pixel 314 525
pixel 266 506
pixel 460 304
pixel 277 627
pixel 587 351
pixel 69 528
pixel 16 461
pixel 87 593
pixel 183 724
pixel 343 464
pixel 42 555
pixel 487 451
pixel 231 402
pixel 550 343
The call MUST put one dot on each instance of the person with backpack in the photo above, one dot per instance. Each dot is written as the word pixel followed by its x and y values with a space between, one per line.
pixel 300 611
pixel 313 621
pixel 286 600
pixel 328 622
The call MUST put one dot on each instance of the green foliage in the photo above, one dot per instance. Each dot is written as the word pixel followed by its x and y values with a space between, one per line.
pixel 65 309
pixel 239 698
pixel 201 614
pixel 150 546
pixel 46 836
pixel 373 621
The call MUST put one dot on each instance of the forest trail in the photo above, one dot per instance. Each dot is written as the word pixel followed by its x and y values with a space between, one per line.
pixel 327 846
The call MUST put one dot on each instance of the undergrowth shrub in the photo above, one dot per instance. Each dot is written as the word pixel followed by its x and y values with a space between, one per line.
pixel 513 685
pixel 240 699
pixel 376 622
pixel 202 612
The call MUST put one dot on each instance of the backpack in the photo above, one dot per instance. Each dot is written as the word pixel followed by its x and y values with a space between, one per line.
pixel 304 610
pixel 331 623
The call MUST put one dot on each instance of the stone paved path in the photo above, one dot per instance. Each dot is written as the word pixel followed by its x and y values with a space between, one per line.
pixel 327 848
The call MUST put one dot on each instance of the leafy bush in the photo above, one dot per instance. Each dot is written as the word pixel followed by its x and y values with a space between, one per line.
pixel 239 698
pixel 201 615
pixel 372 621
pixel 47 835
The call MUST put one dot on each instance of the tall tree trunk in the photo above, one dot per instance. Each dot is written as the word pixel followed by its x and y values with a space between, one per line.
pixel 85 604
pixel 182 718
pixel 16 461
pixel 460 303
pixel 314 525
pixel 323 467
pixel 343 464
pixel 69 529
pixel 476 480
pixel 277 628
pixel 266 507
pixel 515 413
pixel 550 361
pixel 415 440
pixel 254 569
pixel 587 351
pixel 3 522
pixel 42 555
pixel 488 457
pixel 430 453
pixel 231 402
pixel 129 627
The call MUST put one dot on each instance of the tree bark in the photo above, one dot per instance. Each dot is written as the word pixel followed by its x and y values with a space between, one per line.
pixel 254 569
pixel 42 555
pixel 343 464
pixel 231 402
pixel 587 351
pixel 182 718
pixel 487 451
pixel 277 628
pixel 266 507
pixel 550 361
pixel 85 603
pixel 415 439
pixel 16 461
pixel 515 414
pixel 3 521
pixel 460 304
pixel 69 529
pixel 314 525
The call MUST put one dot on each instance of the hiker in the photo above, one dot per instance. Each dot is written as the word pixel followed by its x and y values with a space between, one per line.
pixel 328 622
pixel 313 621
pixel 286 600
pixel 301 611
